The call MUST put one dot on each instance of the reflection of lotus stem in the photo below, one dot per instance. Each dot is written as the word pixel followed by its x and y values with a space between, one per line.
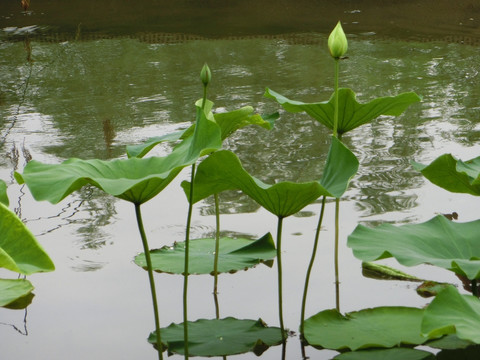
pixel 310 265
pixel 215 263
pixel 279 268
pixel 150 278
pixel 185 271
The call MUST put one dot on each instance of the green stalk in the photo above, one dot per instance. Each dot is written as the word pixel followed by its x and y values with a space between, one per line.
pixel 215 263
pixel 337 277
pixel 335 114
pixel 279 269
pixel 146 250
pixel 185 271
pixel 310 265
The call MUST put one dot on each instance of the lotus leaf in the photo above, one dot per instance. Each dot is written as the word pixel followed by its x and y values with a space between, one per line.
pixel 390 354
pixel 234 255
pixel 452 174
pixel 439 241
pixel 381 327
pixel 220 337
pixel 13 289
pixel 135 180
pixel 452 313
pixel 223 171
pixel 3 193
pixel 19 250
pixel 351 113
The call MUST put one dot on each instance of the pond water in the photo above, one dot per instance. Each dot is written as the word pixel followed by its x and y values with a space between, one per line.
pixel 87 91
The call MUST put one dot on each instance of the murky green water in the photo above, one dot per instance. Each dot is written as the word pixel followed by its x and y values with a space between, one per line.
pixel 91 98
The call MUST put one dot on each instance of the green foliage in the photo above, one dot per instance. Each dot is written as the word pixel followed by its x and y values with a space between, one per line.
pixel 439 241
pixel 452 313
pixel 382 327
pixel 3 193
pixel 19 250
pixel 390 354
pixel 11 290
pixel 220 337
pixel 382 272
pixel 452 174
pixel 234 255
pixel 351 113
pixel 223 171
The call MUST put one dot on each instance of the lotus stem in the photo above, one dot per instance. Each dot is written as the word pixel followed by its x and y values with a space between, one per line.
pixel 337 277
pixel 146 250
pixel 215 263
pixel 310 265
pixel 335 114
pixel 186 270
pixel 279 269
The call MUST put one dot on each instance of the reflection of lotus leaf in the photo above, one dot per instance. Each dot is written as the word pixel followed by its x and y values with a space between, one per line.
pixel 234 255
pixel 369 328
pixel 439 241
pixel 390 354
pixel 220 337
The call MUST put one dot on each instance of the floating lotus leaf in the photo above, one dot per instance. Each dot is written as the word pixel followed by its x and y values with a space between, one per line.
pixel 220 337
pixel 382 272
pixel 390 354
pixel 135 180
pixel 234 255
pixel 452 313
pixel 223 171
pixel 382 327
pixel 452 174
pixel 19 250
pixel 11 290
pixel 351 113
pixel 439 241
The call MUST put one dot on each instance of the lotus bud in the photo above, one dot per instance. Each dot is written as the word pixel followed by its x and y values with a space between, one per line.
pixel 337 42
pixel 205 75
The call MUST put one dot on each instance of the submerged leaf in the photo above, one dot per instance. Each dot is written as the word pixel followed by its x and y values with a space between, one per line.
pixel 220 337
pixel 12 290
pixel 223 171
pixel 135 180
pixel 452 313
pixel 439 241
pixel 382 272
pixel 452 174
pixel 369 328
pixel 234 255
pixel 351 113
pixel 19 250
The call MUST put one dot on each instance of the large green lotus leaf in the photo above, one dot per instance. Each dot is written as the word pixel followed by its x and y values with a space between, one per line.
pixel 134 179
pixel 452 174
pixel 383 354
pixel 439 241
pixel 13 289
pixel 382 327
pixel 351 113
pixel 219 337
pixel 19 250
pixel 3 193
pixel 452 313
pixel 233 255
pixel 223 171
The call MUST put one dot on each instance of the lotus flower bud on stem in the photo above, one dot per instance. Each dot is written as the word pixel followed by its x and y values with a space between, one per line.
pixel 337 42
pixel 205 75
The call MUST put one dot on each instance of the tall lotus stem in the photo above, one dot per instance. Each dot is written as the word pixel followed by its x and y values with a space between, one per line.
pixel 215 262
pixel 310 265
pixel 279 271
pixel 146 250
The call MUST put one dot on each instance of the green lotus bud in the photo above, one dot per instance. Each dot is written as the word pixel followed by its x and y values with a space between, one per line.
pixel 205 75
pixel 337 42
